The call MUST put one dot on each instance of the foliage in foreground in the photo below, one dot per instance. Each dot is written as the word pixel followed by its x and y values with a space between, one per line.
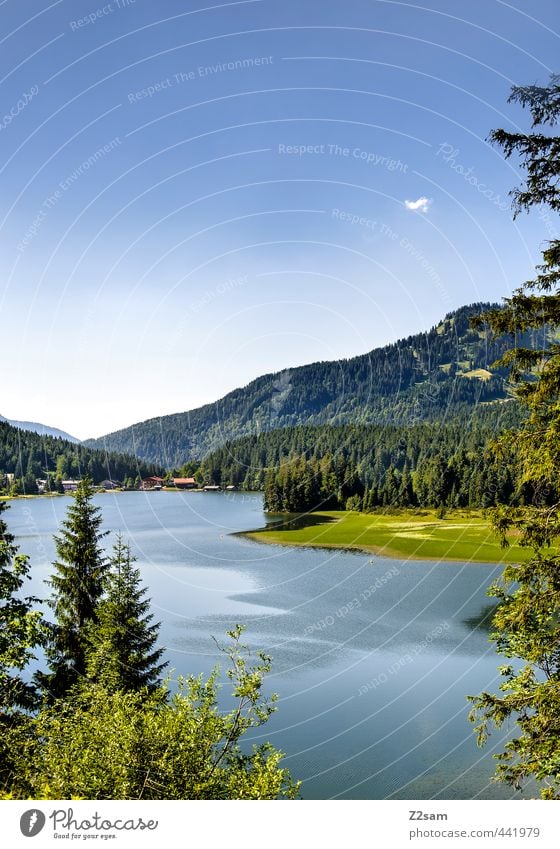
pixel 101 725
pixel 123 652
pixel 104 744
pixel 527 623
pixel 21 627
pixel 78 584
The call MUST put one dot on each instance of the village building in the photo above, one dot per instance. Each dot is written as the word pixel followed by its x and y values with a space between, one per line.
pixel 153 482
pixel 70 486
pixel 108 484
pixel 185 483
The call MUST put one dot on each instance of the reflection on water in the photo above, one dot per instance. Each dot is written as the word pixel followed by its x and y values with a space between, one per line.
pixel 484 618
pixel 294 521
pixel 372 659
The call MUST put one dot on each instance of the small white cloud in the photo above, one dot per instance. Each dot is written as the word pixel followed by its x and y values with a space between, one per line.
pixel 420 205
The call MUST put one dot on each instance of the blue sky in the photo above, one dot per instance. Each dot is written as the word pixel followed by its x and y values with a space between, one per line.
pixel 193 195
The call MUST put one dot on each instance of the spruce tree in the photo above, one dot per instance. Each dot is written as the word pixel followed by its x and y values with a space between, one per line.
pixel 527 622
pixel 78 586
pixel 21 627
pixel 123 655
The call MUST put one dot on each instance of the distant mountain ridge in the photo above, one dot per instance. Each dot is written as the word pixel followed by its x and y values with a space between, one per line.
pixel 41 429
pixel 425 377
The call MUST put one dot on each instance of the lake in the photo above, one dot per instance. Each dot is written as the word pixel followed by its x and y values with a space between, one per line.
pixel 372 657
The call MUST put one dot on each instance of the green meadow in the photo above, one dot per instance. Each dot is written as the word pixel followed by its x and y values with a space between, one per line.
pixel 414 535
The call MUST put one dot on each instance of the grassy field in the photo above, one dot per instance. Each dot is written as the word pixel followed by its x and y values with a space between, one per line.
pixel 461 535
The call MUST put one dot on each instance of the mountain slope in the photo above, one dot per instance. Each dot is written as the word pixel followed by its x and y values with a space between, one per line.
pixel 424 377
pixel 41 429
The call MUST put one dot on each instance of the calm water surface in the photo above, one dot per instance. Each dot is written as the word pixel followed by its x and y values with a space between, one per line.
pixel 372 658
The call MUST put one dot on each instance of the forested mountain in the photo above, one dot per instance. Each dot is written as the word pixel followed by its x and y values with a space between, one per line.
pixel 366 466
pixel 426 377
pixel 29 456
pixel 41 429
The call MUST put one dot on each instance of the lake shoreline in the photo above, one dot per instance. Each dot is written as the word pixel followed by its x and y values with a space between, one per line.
pixel 461 536
pixel 106 492
pixel 378 551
